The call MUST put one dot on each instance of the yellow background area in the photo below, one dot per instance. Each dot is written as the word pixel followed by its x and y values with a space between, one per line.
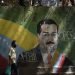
pixel 14 31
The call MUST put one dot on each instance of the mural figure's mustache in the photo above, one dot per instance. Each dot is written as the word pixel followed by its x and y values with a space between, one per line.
pixel 49 42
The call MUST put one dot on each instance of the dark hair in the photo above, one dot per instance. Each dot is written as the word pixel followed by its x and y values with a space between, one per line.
pixel 46 21
pixel 13 44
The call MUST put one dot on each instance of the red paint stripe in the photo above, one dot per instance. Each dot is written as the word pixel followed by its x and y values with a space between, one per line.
pixel 3 62
pixel 61 62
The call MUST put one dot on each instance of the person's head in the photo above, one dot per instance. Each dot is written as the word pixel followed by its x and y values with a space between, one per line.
pixel 13 44
pixel 47 30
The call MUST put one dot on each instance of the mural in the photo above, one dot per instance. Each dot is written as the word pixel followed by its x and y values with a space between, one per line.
pixel 20 24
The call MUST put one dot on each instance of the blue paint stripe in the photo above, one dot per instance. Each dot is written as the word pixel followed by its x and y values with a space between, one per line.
pixel 5 43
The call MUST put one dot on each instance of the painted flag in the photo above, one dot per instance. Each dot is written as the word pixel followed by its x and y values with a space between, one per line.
pixel 18 23
pixel 13 27
pixel 59 64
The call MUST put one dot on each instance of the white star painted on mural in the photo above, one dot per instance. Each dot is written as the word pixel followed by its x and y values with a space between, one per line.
pixel 4 40
pixel 0 38
pixel 7 43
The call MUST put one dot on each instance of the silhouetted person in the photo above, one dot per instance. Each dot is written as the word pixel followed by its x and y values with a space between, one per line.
pixel 12 57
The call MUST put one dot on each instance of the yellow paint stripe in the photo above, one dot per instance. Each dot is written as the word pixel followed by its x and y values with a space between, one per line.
pixel 54 59
pixel 14 31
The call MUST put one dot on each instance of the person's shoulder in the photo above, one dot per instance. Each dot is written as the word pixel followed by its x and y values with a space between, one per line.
pixel 68 62
pixel 12 49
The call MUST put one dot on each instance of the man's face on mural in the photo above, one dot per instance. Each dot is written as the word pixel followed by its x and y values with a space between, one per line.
pixel 48 36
